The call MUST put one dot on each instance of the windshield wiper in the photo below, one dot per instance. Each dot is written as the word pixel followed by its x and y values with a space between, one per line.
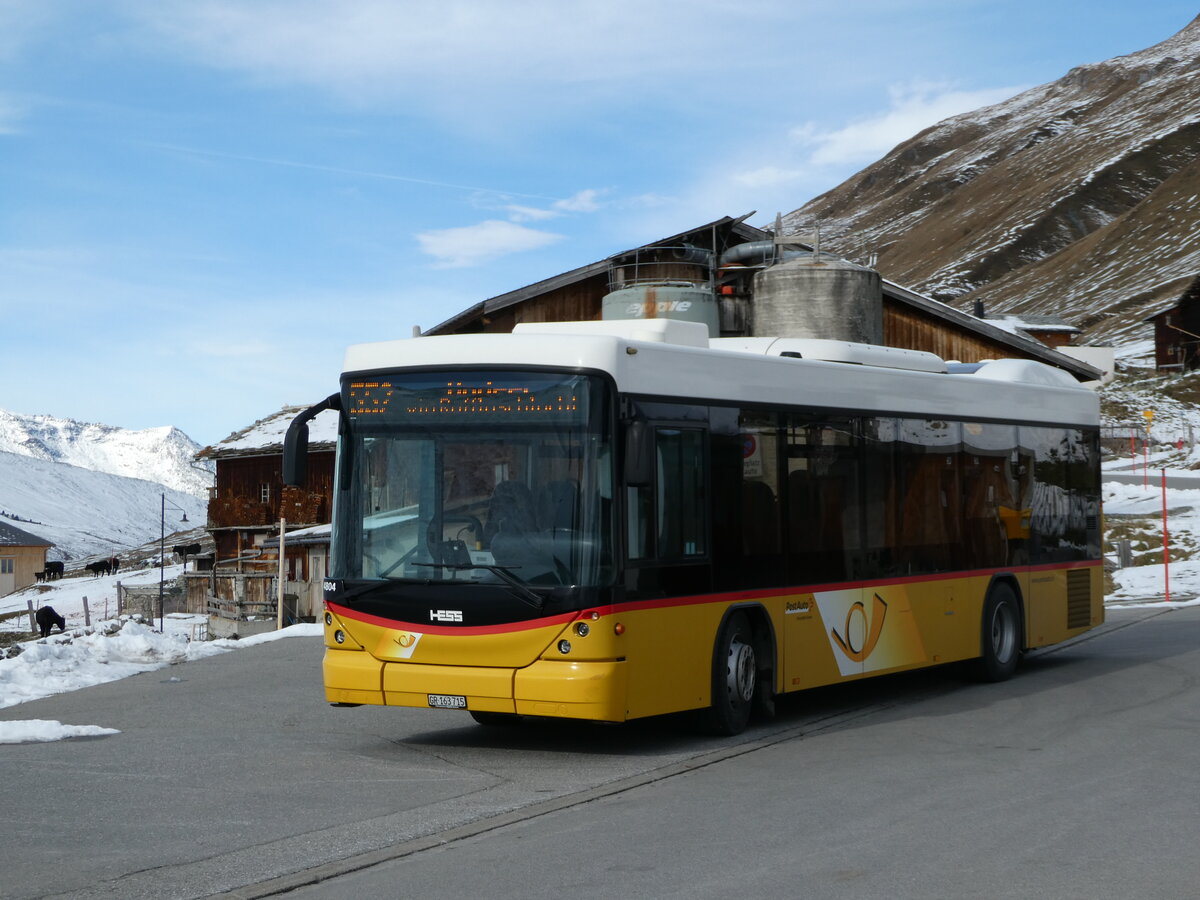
pixel 520 589
pixel 362 589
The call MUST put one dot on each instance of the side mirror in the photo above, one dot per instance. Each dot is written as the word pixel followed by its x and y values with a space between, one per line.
pixel 295 442
pixel 295 454
pixel 638 453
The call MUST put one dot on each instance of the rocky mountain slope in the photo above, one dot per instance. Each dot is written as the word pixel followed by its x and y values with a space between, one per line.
pixel 1079 198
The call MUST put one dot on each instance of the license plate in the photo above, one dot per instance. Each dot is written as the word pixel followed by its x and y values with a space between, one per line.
pixel 448 701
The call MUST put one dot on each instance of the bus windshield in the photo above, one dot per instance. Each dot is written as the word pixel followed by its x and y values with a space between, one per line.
pixel 491 477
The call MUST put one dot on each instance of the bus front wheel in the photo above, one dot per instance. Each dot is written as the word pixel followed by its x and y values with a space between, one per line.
pixel 735 674
pixel 1000 638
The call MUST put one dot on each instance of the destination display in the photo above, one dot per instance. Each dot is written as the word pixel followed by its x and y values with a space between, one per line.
pixel 469 397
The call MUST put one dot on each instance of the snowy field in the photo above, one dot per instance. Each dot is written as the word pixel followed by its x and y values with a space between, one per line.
pixel 111 649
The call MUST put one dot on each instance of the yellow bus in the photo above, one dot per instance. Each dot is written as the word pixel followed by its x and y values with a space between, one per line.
pixel 617 519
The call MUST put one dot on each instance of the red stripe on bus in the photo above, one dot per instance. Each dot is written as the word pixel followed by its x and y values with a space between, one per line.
pixel 346 612
pixel 695 600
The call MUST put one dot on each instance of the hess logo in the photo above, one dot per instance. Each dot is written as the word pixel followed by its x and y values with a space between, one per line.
pixel 445 615
pixel 860 633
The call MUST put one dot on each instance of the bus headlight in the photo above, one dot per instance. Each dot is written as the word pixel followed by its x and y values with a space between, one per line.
pixel 582 629
pixel 328 618
pixel 564 647
pixel 339 636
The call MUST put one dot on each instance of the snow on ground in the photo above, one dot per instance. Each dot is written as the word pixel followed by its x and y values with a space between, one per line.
pixel 83 657
pixel 109 650
pixel 67 594
pixel 1143 504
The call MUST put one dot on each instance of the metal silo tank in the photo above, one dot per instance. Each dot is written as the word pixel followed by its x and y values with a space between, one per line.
pixel 818 297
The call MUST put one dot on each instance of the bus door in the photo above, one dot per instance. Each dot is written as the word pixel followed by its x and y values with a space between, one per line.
pixel 666 511
pixel 669 634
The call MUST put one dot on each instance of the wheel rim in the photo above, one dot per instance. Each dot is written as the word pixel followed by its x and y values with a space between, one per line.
pixel 740 672
pixel 1004 632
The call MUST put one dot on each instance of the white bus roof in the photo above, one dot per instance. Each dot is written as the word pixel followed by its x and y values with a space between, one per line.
pixel 673 359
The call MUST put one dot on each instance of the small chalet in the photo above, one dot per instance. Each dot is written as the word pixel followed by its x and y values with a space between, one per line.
pixel 1053 331
pixel 249 498
pixel 1177 332
pixel 22 558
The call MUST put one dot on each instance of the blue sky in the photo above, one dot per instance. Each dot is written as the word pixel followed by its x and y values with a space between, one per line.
pixel 202 202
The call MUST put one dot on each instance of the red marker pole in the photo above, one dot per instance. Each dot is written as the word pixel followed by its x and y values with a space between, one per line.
pixel 1145 463
pixel 1166 554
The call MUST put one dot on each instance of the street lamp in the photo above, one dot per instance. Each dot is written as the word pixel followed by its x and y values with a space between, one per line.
pixel 162 556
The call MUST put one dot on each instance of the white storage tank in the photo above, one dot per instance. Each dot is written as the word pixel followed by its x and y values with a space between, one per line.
pixel 690 303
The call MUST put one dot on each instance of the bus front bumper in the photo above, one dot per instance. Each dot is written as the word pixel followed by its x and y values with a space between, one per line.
pixel 563 689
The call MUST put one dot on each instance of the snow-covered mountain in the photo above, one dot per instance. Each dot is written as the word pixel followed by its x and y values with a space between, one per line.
pixel 95 489
pixel 161 455
pixel 1078 198
pixel 85 513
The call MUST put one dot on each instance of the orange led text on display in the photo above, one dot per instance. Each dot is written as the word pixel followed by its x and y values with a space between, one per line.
pixel 367 397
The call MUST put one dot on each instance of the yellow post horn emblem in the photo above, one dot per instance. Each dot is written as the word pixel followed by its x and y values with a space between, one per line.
pixel 872 631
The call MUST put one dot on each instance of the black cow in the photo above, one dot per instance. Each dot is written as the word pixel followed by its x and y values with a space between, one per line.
pixel 102 567
pixel 54 570
pixel 116 564
pixel 47 618
pixel 40 576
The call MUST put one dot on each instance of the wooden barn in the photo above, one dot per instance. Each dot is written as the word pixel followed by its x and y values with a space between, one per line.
pixel 725 261
pixel 249 498
pixel 22 558
pixel 1177 332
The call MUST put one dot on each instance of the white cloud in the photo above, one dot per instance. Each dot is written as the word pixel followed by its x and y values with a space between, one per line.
pixel 530 214
pixel 584 201
pixel 373 47
pixel 473 245
pixel 914 107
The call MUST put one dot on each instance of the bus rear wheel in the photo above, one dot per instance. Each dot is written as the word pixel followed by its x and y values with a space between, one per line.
pixel 735 675
pixel 1000 637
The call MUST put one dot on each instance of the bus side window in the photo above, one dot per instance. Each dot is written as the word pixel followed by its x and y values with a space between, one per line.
pixel 682 494
pixel 668 519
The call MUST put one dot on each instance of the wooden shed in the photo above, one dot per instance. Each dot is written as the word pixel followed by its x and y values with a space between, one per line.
pixel 1177 332
pixel 22 558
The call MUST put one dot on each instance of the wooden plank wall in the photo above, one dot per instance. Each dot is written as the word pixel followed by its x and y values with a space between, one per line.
pixel 578 302
pixel 911 330
pixel 237 499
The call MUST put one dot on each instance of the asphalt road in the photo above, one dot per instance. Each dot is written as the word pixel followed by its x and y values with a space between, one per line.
pixel 1075 779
